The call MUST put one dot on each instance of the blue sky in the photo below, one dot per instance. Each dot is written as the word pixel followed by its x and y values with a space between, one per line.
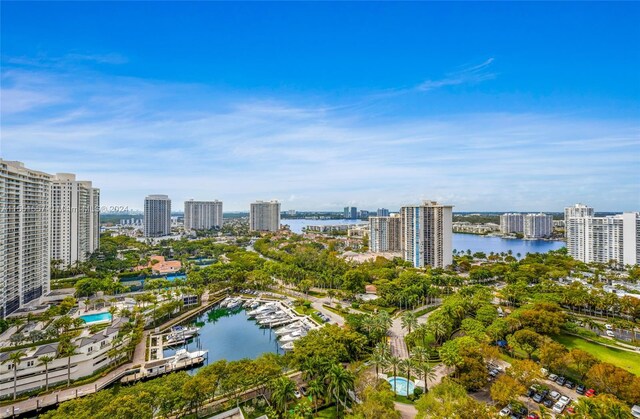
pixel 486 106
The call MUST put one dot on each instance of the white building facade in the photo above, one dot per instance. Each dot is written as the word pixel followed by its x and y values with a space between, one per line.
pixel 202 215
pixel 75 219
pixel 25 216
pixel 264 216
pixel 157 216
pixel 605 239
pixel 578 210
pixel 511 223
pixel 427 234
pixel 537 226
pixel 385 233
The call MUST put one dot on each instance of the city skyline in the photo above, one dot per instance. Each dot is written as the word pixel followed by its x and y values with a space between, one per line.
pixel 394 107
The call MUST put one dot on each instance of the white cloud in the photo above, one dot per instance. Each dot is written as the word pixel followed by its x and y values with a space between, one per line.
pixel 133 137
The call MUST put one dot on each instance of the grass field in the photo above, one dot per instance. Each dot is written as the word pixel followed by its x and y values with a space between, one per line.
pixel 628 360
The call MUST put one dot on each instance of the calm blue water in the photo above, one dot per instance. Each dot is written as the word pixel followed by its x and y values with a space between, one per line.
pixel 463 242
pixel 487 245
pixel 98 317
pixel 229 335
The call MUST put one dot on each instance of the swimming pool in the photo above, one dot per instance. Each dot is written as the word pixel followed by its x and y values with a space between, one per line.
pixel 402 386
pixel 95 318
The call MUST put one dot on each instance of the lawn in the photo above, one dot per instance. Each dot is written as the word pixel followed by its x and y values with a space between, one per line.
pixel 328 413
pixel 623 359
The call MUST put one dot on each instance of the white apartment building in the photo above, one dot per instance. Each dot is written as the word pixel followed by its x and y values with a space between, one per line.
pixel 92 354
pixel 25 210
pixel 202 215
pixel 385 233
pixel 427 234
pixel 578 210
pixel 75 219
pixel 603 239
pixel 537 226
pixel 264 216
pixel 511 223
pixel 157 216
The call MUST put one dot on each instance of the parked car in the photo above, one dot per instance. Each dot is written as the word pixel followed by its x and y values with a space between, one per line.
pixel 538 397
pixel 552 377
pixel 522 412
pixel 564 400
pixel 610 334
pixel 569 384
pixel 635 411
pixel 561 380
pixel 544 372
pixel 533 416
pixel 558 408
pixel 608 326
pixel 590 393
pixel 554 395
pixel 531 391
pixel 505 411
pixel 494 373
pixel 548 403
pixel 297 394
pixel 580 389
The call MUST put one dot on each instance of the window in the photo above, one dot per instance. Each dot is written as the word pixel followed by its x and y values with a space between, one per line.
pixel 30 363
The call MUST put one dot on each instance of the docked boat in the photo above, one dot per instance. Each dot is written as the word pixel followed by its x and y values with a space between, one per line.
pixel 288 346
pixel 295 335
pixel 235 303
pixel 180 334
pixel 285 330
pixel 263 309
pixel 184 355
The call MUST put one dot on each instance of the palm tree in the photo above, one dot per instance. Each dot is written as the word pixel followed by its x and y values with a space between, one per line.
pixel 45 360
pixel 428 373
pixel 282 390
pixel 16 359
pixel 409 321
pixel 113 310
pixel 380 356
pixel 394 362
pixel 315 389
pixel 66 349
pixel 406 365
pixel 340 382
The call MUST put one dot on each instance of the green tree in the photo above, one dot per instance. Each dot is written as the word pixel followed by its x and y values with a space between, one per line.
pixel 526 340
pixel 45 360
pixel 505 389
pixel 15 358
pixel 409 321
pixel 66 349
pixel 282 391
pixel 340 381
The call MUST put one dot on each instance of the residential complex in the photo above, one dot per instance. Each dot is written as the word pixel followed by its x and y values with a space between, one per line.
pixel 537 226
pixel 385 233
pixel 382 212
pixel 202 215
pixel 605 239
pixel 157 216
pixel 75 219
pixel 25 250
pixel 427 236
pixel 350 213
pixel 511 223
pixel 264 216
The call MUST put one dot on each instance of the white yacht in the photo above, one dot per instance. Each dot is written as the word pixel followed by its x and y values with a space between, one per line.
pixel 295 335
pixel 287 346
pixel 285 330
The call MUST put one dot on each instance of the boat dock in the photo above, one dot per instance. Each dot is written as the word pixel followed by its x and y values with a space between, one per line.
pixel 182 360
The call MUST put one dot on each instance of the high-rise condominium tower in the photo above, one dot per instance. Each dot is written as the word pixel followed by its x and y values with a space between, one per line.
pixel 382 212
pixel 427 234
pixel 605 239
pixel 350 213
pixel 157 216
pixel 578 210
pixel 385 234
pixel 75 219
pixel 264 216
pixel 511 223
pixel 25 210
pixel 202 215
pixel 538 225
